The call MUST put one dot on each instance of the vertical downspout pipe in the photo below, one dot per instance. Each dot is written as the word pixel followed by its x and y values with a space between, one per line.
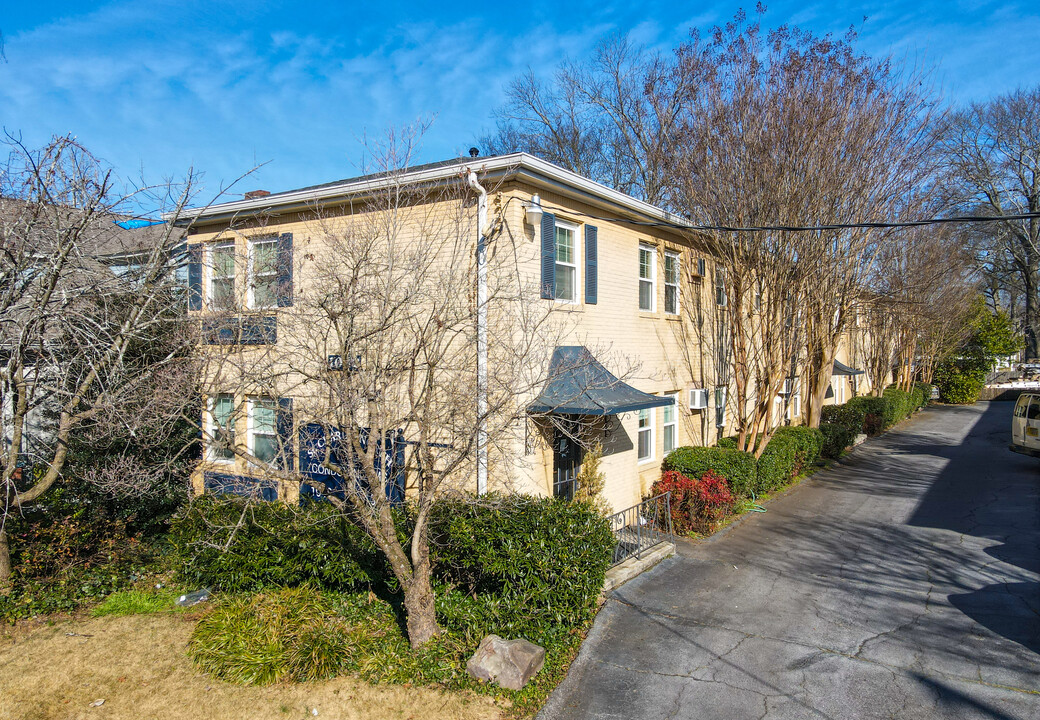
pixel 482 340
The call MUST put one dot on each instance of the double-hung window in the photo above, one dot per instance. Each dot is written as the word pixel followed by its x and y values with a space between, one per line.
pixel 671 283
pixel 222 276
pixel 645 441
pixel 720 286
pixel 222 427
pixel 566 262
pixel 263 430
pixel 669 424
pixel 263 272
pixel 647 277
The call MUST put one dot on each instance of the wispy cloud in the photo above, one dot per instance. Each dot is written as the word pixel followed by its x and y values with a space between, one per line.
pixel 221 85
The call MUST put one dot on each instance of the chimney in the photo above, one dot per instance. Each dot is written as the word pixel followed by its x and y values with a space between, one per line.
pixel 257 194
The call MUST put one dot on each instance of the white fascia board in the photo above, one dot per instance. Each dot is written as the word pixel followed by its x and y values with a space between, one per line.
pixel 524 166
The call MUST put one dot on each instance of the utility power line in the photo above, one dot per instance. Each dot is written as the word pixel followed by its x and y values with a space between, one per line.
pixel 810 228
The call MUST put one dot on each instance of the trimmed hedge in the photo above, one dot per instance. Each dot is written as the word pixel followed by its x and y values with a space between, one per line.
pixel 524 566
pixel 789 450
pixel 836 438
pixel 739 468
pixel 535 564
pixel 225 544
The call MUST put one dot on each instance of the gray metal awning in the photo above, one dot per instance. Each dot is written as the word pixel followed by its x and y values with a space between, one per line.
pixel 841 368
pixel 579 385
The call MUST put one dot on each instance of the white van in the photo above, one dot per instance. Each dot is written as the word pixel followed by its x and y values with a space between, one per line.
pixel 1025 425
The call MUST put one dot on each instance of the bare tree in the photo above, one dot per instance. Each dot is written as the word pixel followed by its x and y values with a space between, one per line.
pixel 378 353
pixel 90 327
pixel 993 153
pixel 612 118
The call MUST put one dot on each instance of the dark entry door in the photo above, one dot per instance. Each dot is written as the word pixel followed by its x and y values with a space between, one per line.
pixel 566 460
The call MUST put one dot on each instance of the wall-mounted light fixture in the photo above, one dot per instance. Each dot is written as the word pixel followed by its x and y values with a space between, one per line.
pixel 533 211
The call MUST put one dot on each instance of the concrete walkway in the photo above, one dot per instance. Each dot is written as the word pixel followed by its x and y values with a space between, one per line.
pixel 901 583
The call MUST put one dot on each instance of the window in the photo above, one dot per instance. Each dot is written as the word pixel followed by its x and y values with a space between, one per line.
pixel 1034 409
pixel 566 263
pixel 263 430
pixel 758 295
pixel 645 450
pixel 720 406
pixel 222 276
pixel 700 267
pixel 263 272
pixel 671 283
pixel 720 286
pixel 222 428
pixel 647 277
pixel 669 426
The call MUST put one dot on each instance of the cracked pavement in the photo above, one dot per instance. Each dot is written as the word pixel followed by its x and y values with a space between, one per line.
pixel 903 582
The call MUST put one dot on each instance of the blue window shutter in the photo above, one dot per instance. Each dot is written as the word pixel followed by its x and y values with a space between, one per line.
pixel 285 270
pixel 591 264
pixel 285 433
pixel 548 256
pixel 195 277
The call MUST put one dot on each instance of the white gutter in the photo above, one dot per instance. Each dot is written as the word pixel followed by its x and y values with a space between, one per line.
pixel 482 342
pixel 531 168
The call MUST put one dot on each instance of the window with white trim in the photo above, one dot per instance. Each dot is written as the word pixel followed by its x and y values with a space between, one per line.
pixel 671 283
pixel 222 276
pixel 263 429
pixel 645 439
pixel 647 277
pixel 566 262
pixel 263 272
pixel 670 424
pixel 720 286
pixel 222 428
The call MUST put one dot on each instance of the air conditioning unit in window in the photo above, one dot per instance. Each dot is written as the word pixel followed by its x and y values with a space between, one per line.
pixel 698 398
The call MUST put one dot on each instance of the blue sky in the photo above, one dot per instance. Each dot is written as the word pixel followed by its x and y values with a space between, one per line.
pixel 155 87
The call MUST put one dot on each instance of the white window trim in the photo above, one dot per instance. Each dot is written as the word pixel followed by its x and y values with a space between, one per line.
pixel 251 404
pixel 673 424
pixel 250 296
pixel 212 427
pixel 576 265
pixel 208 267
pixel 652 279
pixel 720 274
pixel 650 429
pixel 676 284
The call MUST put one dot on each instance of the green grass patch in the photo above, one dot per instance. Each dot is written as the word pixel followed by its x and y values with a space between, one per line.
pixel 134 602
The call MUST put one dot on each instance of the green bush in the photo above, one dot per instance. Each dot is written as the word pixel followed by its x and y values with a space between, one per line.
pixel 290 634
pixel 924 391
pixel 959 383
pixel 226 544
pixel 849 416
pixel 739 468
pixel 536 565
pixel 808 442
pixel 835 439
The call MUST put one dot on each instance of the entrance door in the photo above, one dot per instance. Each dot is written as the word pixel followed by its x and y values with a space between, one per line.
pixel 566 460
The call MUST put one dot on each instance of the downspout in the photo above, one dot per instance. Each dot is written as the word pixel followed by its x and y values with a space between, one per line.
pixel 482 342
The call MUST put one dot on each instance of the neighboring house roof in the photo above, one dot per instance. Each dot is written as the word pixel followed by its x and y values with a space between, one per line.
pixel 520 166
pixel 579 385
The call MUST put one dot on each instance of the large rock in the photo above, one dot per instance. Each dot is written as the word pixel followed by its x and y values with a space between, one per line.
pixel 510 663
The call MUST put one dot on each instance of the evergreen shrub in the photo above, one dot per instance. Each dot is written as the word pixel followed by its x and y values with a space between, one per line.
pixel 535 565
pixel 835 439
pixel 223 543
pixel 737 467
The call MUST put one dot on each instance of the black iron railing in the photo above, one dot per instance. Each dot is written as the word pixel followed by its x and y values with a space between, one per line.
pixel 642 526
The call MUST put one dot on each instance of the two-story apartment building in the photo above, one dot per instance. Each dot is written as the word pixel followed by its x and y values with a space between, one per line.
pixel 623 353
pixel 623 284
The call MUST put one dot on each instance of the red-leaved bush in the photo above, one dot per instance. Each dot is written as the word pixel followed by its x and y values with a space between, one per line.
pixel 697 505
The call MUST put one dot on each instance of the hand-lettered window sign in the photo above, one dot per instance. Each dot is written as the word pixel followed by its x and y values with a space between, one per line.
pixel 326 456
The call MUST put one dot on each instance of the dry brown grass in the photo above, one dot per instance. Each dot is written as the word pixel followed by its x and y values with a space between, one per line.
pixel 139 666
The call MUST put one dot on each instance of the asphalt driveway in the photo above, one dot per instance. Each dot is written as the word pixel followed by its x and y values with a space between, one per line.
pixel 901 583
